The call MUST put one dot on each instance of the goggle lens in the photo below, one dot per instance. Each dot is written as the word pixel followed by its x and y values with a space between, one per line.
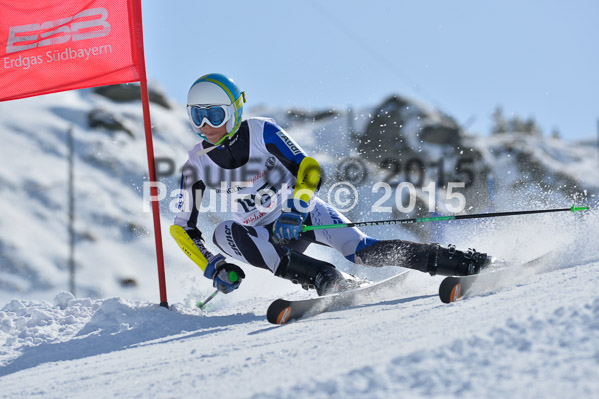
pixel 214 115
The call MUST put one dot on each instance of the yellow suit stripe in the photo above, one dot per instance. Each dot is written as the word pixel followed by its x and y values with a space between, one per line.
pixel 186 243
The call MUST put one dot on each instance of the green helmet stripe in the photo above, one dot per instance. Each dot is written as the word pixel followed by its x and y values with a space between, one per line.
pixel 222 86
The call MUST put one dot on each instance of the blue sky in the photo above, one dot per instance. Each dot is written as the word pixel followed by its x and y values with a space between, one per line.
pixel 534 58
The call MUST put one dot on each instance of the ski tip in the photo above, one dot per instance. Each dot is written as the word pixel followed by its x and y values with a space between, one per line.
pixel 450 290
pixel 283 316
pixel 279 312
pixel 456 293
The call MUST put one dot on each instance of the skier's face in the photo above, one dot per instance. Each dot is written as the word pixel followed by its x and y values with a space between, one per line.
pixel 213 134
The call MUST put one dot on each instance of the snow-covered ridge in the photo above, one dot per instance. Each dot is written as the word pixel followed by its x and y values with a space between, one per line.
pixel 69 328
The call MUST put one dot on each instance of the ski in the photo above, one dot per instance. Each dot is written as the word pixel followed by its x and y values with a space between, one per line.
pixel 454 288
pixel 282 311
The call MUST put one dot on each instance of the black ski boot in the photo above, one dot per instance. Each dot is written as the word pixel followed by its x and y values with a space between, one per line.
pixel 428 258
pixel 310 273
pixel 451 262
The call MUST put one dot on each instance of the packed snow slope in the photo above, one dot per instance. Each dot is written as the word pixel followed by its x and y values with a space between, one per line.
pixel 536 337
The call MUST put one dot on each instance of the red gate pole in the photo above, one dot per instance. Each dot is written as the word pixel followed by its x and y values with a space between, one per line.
pixel 138 47
pixel 154 192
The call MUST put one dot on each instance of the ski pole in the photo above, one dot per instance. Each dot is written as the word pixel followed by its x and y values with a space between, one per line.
pixel 439 218
pixel 203 303
pixel 232 276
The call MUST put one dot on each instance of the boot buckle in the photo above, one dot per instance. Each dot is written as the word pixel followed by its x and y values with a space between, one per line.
pixel 451 250
pixel 470 254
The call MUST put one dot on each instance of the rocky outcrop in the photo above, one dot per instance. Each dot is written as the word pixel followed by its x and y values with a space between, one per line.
pixel 130 92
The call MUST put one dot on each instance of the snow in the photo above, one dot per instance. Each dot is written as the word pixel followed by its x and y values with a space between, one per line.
pixel 536 338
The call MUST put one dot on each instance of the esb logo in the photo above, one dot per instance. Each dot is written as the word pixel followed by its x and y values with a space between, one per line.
pixel 77 27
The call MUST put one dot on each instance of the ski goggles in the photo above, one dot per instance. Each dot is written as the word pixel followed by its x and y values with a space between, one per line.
pixel 214 115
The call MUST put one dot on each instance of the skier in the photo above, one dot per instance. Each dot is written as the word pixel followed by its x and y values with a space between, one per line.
pixel 269 184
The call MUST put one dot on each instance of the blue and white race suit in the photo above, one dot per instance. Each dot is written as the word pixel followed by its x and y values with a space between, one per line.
pixel 254 172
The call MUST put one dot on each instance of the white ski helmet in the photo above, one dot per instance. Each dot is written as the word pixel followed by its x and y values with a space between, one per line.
pixel 215 99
